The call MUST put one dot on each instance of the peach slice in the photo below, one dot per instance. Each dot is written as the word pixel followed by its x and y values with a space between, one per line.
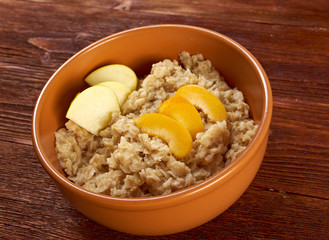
pixel 184 112
pixel 174 133
pixel 203 99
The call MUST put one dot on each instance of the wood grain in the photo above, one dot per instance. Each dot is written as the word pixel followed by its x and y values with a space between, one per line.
pixel 289 198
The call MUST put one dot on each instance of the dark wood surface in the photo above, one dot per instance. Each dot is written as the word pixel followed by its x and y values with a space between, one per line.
pixel 289 198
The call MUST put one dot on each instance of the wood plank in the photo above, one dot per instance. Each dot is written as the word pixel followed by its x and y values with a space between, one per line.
pixel 288 198
pixel 38 209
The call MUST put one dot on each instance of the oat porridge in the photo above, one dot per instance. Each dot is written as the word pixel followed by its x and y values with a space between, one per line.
pixel 124 161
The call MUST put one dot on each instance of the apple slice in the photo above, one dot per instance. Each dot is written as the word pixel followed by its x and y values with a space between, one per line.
pixel 121 90
pixel 92 109
pixel 113 72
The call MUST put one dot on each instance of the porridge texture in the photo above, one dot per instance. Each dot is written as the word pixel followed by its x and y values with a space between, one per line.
pixel 123 161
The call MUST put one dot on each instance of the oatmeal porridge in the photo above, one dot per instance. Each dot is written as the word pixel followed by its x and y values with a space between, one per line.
pixel 124 161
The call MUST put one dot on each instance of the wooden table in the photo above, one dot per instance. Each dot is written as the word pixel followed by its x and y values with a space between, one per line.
pixel 289 198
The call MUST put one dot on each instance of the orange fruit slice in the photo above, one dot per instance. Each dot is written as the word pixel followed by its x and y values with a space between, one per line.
pixel 203 99
pixel 174 133
pixel 184 112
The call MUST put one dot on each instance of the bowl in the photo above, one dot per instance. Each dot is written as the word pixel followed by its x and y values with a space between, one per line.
pixel 139 48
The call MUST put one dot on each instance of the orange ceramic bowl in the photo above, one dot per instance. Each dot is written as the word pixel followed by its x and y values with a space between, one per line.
pixel 139 48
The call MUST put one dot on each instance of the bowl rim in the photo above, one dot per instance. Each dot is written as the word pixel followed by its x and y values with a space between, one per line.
pixel 179 196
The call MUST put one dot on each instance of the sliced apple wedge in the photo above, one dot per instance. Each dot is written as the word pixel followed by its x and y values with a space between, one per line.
pixel 203 99
pixel 92 108
pixel 184 112
pixel 120 89
pixel 113 72
pixel 174 133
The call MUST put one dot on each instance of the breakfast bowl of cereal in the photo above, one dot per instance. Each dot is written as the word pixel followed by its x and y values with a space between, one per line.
pixel 154 130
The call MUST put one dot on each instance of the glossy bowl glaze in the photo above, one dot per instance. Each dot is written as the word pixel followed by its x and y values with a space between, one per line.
pixel 139 48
